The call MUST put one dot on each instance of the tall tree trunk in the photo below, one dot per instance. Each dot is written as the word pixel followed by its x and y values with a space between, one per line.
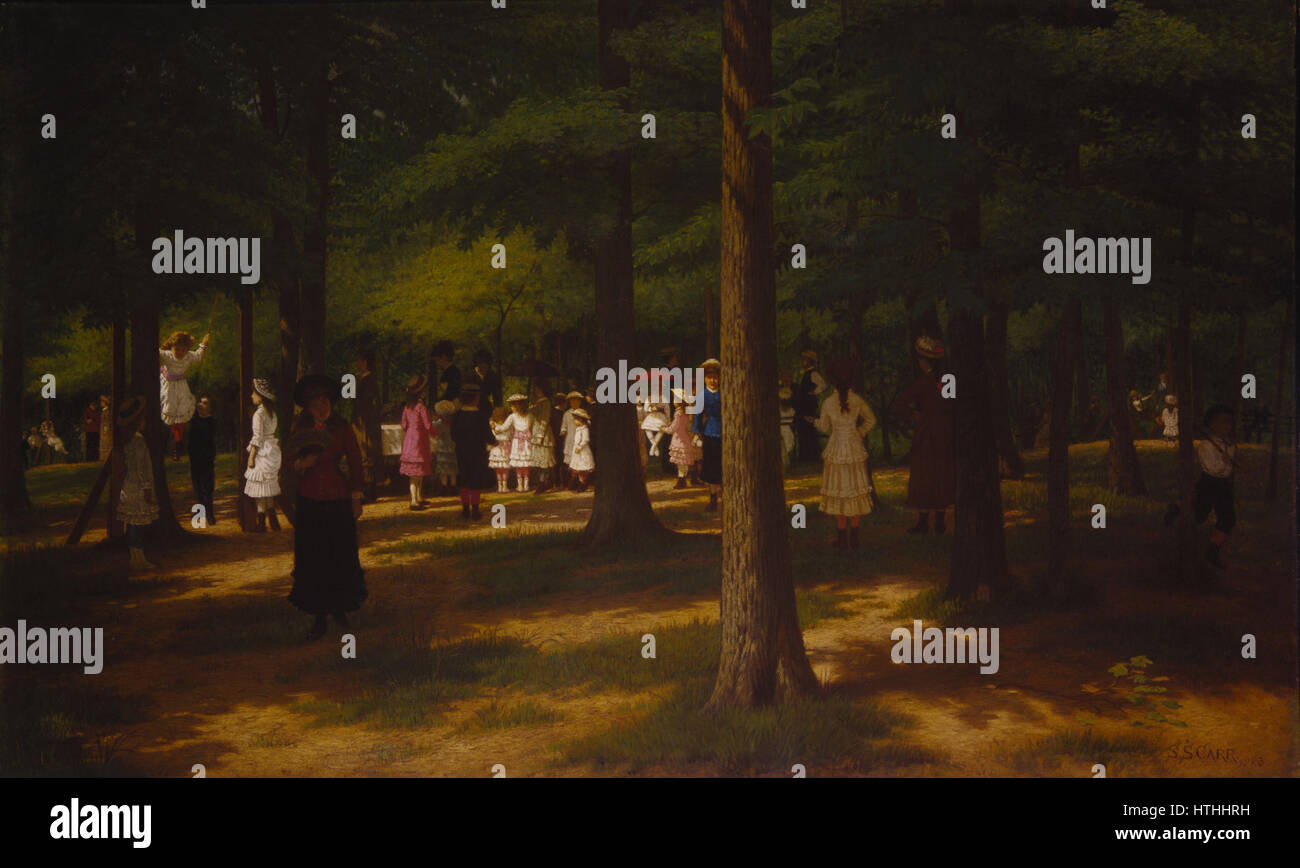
pixel 999 403
pixel 247 507
pixel 1064 352
pixel 1187 562
pixel 311 346
pixel 14 185
pixel 763 658
pixel 621 507
pixel 1279 400
pixel 1239 368
pixel 979 555
pixel 1126 471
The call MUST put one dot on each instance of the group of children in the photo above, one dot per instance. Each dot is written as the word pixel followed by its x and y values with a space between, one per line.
pixel 523 441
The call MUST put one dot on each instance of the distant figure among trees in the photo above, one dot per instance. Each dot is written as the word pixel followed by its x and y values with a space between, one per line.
pixel 846 489
pixel 932 479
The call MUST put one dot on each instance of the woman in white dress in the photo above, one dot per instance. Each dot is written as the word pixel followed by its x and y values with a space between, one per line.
pixel 262 478
pixel 581 462
pixel 175 358
pixel 846 491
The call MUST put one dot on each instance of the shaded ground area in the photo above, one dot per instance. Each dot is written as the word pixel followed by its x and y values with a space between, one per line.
pixel 484 646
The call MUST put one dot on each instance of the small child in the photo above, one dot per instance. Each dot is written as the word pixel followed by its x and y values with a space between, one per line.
pixel 444 452
pixel 1217 456
pixel 262 478
pixel 203 455
pixel 175 358
pixel 681 451
pixel 567 428
pixel 786 397
pixel 520 425
pixel 416 430
pixel 138 507
pixel 499 457
pixel 52 440
pixel 653 426
pixel 581 461
pixel 1169 417
pixel 543 445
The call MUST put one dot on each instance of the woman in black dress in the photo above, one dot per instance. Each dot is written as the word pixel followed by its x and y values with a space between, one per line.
pixel 471 432
pixel 327 575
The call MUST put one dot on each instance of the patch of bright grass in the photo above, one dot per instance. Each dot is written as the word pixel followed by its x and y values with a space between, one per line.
pixel 1078 750
pixel 768 741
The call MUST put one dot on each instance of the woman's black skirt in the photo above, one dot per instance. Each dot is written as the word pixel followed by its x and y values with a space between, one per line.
pixel 711 469
pixel 327 576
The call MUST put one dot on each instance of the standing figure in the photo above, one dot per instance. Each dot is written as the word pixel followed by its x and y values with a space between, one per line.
pixel 669 379
pixel 681 448
pixel 262 478
pixel 449 379
pixel 543 444
pixel 932 480
pixel 581 461
pixel 1217 457
pixel 786 396
pixel 137 508
pixel 1169 418
pixel 417 428
pixel 499 456
pixel 471 431
pixel 567 428
pixel 52 441
pixel 327 574
pixel 175 358
pixel 444 448
pixel 366 412
pixel 807 404
pixel 708 428
pixel 203 455
pixel 90 425
pixel 105 427
pixel 489 381
pixel 846 490
pixel 519 425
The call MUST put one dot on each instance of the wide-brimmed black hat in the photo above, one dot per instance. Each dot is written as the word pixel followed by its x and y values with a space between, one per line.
pixel 312 385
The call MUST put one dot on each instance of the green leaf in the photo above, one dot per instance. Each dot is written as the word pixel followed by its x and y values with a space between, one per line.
pixel 1139 661
pixel 1119 670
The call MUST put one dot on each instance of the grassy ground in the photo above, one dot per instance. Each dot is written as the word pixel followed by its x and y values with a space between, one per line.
pixel 481 646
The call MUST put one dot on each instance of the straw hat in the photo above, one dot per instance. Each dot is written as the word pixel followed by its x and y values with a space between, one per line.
pixel 711 364
pixel 444 408
pixel 581 414
pixel 262 387
pixel 1171 400
pixel 516 397
pixel 130 411
pixel 416 384
pixel 575 394
pixel 930 348
pixel 784 393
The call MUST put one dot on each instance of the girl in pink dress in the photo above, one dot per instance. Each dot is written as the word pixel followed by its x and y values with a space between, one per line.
pixel 417 426
pixel 681 451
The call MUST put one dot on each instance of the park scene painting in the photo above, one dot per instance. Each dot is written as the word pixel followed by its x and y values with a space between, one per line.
pixel 609 388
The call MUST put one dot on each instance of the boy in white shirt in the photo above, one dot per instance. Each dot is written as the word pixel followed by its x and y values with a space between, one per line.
pixel 1217 456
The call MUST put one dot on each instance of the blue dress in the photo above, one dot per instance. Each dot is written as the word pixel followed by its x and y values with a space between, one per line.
pixel 708 424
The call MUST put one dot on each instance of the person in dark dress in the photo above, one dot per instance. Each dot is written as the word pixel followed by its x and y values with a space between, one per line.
pixel 559 404
pixel 203 455
pixel 932 481
pixel 366 411
pixel 471 431
pixel 807 407
pixel 90 421
pixel 449 380
pixel 327 574
pixel 489 381
pixel 707 425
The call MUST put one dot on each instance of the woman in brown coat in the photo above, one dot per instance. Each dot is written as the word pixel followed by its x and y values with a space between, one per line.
pixel 931 484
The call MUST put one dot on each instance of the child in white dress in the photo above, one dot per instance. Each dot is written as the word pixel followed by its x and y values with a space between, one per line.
pixel 543 454
pixel 846 490
pixel 581 462
pixel 653 426
pixel 262 478
pixel 175 358
pixel 499 456
pixel 1169 417
pixel 136 505
pixel 520 425
pixel 786 397
pixel 567 427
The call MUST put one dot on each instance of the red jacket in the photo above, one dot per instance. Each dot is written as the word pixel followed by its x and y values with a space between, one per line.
pixel 325 480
